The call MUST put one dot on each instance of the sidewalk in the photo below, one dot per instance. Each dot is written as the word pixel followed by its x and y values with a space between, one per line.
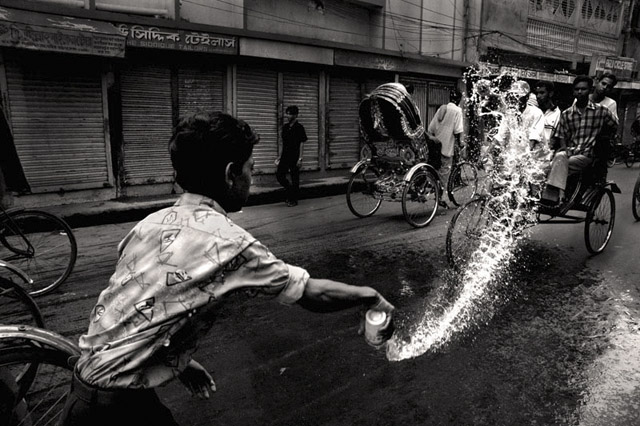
pixel 131 209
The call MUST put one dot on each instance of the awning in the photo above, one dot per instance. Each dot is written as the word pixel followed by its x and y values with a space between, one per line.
pixel 53 33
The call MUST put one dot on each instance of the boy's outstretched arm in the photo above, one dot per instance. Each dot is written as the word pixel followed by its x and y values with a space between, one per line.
pixel 323 295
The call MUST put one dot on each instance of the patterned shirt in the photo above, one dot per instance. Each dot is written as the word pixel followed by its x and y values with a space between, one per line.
pixel 580 130
pixel 173 269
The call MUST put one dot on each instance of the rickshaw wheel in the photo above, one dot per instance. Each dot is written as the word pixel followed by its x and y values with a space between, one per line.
pixel 463 183
pixel 635 203
pixel 599 222
pixel 420 198
pixel 465 230
pixel 360 192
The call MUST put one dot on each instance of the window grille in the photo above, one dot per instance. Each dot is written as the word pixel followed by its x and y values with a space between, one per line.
pixel 594 44
pixel 550 36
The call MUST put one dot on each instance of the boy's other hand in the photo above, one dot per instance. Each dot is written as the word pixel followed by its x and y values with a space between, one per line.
pixel 197 380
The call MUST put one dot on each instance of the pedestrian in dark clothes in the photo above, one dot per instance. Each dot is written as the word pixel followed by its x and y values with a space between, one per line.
pixel 290 160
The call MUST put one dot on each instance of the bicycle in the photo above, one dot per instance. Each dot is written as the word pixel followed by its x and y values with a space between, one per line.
pixel 635 201
pixel 633 154
pixel 39 243
pixel 41 401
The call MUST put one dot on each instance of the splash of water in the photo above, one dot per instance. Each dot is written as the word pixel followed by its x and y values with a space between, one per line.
pixel 518 170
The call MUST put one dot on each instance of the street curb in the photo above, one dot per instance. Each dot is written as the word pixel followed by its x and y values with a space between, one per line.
pixel 119 211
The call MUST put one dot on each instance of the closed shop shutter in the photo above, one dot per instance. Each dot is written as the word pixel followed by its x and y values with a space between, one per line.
pixel 57 119
pixel 438 95
pixel 257 100
pixel 371 83
pixel 146 124
pixel 200 88
pixel 302 90
pixel 343 122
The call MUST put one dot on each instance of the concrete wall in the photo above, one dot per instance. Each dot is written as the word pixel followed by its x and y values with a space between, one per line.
pixel 509 17
pixel 228 13
pixel 336 21
pixel 442 33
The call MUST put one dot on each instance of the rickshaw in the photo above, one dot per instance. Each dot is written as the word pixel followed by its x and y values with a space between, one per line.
pixel 396 167
pixel 590 200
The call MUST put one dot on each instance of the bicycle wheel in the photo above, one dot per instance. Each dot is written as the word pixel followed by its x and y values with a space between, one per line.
pixel 599 222
pixel 629 160
pixel 635 202
pixel 420 198
pixel 42 245
pixel 360 192
pixel 43 401
pixel 463 183
pixel 465 230
pixel 17 307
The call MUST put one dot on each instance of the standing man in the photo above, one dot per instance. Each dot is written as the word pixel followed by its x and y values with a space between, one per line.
pixel 290 160
pixel 544 94
pixel 580 127
pixel 603 88
pixel 446 126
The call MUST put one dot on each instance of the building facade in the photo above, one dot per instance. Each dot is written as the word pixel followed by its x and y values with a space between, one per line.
pixel 92 88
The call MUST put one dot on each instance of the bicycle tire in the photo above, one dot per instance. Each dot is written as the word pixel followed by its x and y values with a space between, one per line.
pixel 462 184
pixel 42 403
pixel 599 222
pixel 635 202
pixel 52 253
pixel 420 198
pixel 360 192
pixel 465 230
pixel 17 307
pixel 629 160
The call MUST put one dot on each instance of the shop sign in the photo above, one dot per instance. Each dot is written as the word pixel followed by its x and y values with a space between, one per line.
pixel 620 66
pixel 38 31
pixel 160 38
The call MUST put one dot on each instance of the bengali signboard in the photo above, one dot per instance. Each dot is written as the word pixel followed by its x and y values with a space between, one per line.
pixel 38 31
pixel 623 68
pixel 528 74
pixel 162 38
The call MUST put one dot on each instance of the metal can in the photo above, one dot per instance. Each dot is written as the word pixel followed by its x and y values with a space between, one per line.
pixel 375 322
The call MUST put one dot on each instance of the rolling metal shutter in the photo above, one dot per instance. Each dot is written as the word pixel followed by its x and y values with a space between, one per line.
pixel 58 124
pixel 302 90
pixel 200 88
pixel 257 101
pixel 343 122
pixel 146 124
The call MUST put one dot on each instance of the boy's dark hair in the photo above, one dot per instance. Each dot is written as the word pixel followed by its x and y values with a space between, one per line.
pixel 610 76
pixel 410 88
pixel 547 85
pixel 455 95
pixel 581 79
pixel 201 147
pixel 292 109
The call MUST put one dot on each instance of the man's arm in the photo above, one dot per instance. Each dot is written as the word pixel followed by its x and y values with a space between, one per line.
pixel 323 295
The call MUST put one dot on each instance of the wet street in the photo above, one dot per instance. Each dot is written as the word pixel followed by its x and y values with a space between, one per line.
pixel 558 344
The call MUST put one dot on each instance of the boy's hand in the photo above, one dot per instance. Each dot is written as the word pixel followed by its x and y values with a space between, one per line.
pixel 197 380
pixel 381 304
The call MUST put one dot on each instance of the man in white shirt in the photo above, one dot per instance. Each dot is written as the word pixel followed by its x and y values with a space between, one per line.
pixel 544 94
pixel 446 126
pixel 601 91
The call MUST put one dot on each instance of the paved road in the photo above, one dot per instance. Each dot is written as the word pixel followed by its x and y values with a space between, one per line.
pixel 555 351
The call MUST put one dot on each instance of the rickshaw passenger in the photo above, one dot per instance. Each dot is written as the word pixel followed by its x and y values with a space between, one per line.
pixel 581 126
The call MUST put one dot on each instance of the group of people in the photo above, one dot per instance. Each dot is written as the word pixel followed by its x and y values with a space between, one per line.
pixel 576 137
